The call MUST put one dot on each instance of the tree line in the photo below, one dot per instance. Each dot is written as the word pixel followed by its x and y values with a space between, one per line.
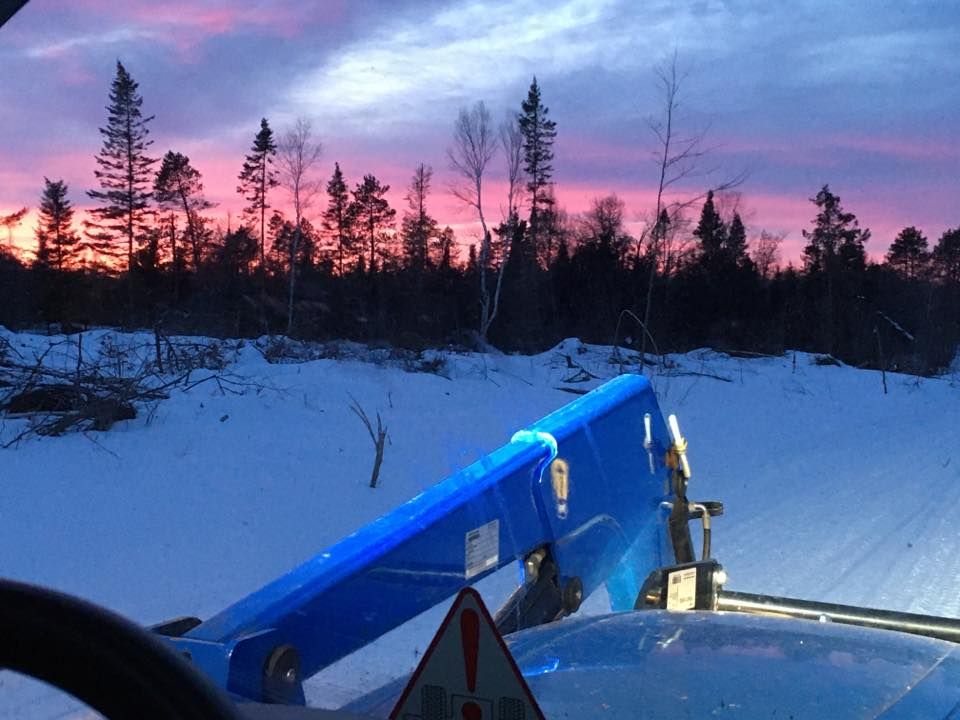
pixel 340 263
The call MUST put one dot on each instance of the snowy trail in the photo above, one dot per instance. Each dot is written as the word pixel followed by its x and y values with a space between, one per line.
pixel 848 496
pixel 833 490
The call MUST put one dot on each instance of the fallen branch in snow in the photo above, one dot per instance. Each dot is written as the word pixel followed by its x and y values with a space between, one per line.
pixel 573 391
pixel 582 374
pixel 60 395
pixel 907 335
pixel 379 439
pixel 749 355
pixel 694 373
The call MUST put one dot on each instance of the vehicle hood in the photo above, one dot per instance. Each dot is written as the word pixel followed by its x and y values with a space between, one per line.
pixel 658 664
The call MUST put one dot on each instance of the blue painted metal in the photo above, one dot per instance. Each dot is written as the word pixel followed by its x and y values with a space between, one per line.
pixel 659 664
pixel 413 558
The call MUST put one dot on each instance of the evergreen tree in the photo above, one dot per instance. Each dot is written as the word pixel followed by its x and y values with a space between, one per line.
pixel 178 187
pixel 836 241
pixel 736 243
pixel 283 235
pixel 125 172
pixel 257 178
pixel 563 288
pixel 237 253
pixel 306 254
pixel 835 262
pixel 280 233
pixel 538 133
pixel 337 220
pixel 712 234
pixel 520 323
pixel 11 221
pixel 442 247
pixel 373 216
pixel 908 254
pixel 56 239
pixel 417 227
pixel 946 256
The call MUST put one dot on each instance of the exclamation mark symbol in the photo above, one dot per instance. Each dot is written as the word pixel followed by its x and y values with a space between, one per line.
pixel 470 637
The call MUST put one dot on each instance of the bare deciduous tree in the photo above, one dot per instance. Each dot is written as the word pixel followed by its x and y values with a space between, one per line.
pixel 298 154
pixel 473 148
pixel 677 157
pixel 511 141
pixel 766 253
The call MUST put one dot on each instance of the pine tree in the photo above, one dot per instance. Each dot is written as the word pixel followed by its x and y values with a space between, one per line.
pixel 417 228
pixel 373 215
pixel 337 220
pixel 257 178
pixel 538 136
pixel 946 256
pixel 835 261
pixel 125 172
pixel 178 187
pixel 836 240
pixel 712 234
pixel 56 239
pixel 908 255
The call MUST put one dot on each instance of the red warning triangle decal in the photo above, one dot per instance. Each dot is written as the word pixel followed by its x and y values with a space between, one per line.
pixel 467 673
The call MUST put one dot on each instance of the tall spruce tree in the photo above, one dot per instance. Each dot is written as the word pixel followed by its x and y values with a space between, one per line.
pixel 712 234
pixel 539 132
pixel 257 178
pixel 736 245
pixel 124 172
pixel 56 239
pixel 417 227
pixel 337 219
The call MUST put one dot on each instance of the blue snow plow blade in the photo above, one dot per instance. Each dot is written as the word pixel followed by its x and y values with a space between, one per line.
pixel 580 484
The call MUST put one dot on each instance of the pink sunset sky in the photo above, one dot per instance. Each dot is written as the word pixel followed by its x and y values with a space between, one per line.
pixel 863 97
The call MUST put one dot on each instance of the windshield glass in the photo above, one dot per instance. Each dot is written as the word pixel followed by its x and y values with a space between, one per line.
pixel 269 271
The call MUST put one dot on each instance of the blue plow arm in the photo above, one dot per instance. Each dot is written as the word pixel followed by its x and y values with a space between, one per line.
pixel 491 514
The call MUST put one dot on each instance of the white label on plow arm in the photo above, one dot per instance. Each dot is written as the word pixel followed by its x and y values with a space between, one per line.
pixel 482 549
pixel 682 590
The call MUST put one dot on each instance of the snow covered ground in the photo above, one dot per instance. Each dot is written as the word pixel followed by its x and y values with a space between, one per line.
pixel 833 489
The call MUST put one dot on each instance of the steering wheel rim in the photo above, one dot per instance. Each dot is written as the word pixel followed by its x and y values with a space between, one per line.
pixel 116 667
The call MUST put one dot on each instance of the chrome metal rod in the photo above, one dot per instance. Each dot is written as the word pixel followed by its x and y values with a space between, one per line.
pixel 927 625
